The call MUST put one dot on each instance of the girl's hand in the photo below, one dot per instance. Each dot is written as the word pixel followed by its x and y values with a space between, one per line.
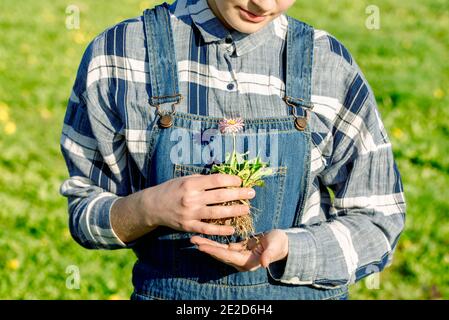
pixel 182 203
pixel 249 256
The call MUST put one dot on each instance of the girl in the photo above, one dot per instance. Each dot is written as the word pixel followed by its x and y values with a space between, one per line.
pixel 151 86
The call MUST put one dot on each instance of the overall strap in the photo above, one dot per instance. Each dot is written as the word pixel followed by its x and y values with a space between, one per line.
pixel 162 58
pixel 300 39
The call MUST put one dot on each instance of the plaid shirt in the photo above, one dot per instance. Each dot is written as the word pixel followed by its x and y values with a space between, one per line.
pixel 343 237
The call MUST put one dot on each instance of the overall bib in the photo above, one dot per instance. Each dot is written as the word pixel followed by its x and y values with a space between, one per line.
pixel 169 266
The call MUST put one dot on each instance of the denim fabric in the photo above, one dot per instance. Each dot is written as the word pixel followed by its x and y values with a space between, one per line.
pixel 169 266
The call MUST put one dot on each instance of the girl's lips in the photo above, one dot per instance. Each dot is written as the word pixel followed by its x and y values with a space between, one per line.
pixel 246 15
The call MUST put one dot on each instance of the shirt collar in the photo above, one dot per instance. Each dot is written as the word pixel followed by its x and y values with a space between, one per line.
pixel 213 30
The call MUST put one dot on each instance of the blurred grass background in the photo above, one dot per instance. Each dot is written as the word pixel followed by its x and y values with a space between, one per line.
pixel 406 63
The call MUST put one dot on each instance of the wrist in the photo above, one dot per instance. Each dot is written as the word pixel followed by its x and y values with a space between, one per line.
pixel 145 206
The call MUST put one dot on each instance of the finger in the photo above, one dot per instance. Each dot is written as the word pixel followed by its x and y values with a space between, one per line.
pixel 212 181
pixel 269 254
pixel 267 257
pixel 220 212
pixel 211 229
pixel 225 195
pixel 239 246
pixel 233 258
pixel 201 241
pixel 253 262
pixel 253 242
pixel 242 261
pixel 259 250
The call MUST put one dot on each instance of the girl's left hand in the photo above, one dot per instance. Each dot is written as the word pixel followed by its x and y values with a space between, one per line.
pixel 272 246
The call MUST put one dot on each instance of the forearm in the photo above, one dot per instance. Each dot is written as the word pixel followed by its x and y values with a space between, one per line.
pixel 128 219
pixel 103 220
pixel 340 251
pixel 366 218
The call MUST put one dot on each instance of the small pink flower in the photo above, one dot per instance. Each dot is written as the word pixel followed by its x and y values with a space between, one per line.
pixel 231 125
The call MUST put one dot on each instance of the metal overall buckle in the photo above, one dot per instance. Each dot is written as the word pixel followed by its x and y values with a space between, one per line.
pixel 166 118
pixel 300 122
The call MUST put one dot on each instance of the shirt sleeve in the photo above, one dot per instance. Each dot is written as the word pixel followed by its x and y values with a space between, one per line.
pixel 367 213
pixel 94 151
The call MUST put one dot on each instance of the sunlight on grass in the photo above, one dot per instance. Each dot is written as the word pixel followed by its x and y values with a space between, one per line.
pixel 405 62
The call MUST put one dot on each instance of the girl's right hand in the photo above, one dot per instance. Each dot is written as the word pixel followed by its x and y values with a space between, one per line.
pixel 182 203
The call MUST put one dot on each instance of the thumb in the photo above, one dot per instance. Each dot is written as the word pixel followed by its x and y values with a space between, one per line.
pixel 276 243
pixel 268 256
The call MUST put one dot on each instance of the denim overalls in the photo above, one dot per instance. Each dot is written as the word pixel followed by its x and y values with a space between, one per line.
pixel 169 266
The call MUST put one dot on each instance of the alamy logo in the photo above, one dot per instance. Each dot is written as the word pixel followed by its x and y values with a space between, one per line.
pixel 373 20
pixel 211 146
pixel 72 20
pixel 73 279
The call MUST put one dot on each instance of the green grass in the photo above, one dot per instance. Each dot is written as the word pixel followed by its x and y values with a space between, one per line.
pixel 405 62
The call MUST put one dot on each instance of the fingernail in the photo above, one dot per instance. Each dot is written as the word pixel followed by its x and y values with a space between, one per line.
pixel 251 193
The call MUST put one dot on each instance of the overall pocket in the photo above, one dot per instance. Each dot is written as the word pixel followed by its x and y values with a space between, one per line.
pixel 266 207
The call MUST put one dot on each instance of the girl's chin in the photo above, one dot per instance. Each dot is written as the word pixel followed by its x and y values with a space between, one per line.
pixel 247 27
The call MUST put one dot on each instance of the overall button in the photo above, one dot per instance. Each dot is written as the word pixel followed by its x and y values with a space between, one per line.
pixel 301 124
pixel 166 121
pixel 230 86
pixel 228 40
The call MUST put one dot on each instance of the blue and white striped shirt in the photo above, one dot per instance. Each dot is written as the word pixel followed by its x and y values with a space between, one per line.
pixel 226 73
